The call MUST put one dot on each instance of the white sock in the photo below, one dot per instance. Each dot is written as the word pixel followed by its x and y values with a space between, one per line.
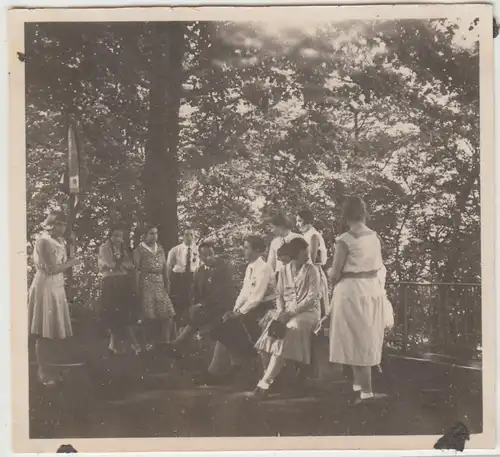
pixel 366 395
pixel 356 388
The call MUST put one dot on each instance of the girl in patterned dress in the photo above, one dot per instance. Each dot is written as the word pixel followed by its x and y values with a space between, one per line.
pixel 49 319
pixel 152 284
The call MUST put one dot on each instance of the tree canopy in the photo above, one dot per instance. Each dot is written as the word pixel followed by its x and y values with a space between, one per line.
pixel 217 125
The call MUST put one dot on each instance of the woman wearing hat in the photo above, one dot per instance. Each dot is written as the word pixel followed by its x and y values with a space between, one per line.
pixel 49 319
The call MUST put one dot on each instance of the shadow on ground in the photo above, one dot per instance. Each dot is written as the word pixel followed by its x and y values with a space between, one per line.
pixel 149 396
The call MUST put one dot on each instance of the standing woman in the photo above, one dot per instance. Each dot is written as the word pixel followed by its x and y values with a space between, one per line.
pixel 119 298
pixel 357 310
pixel 49 318
pixel 317 249
pixel 152 284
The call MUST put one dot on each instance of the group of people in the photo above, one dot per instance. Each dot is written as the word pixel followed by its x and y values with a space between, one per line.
pixel 282 302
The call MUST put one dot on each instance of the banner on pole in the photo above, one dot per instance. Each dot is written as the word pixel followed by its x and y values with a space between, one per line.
pixel 73 166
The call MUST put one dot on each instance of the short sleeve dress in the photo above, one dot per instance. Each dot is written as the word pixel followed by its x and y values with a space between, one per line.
pixel 48 307
pixel 358 317
pixel 156 303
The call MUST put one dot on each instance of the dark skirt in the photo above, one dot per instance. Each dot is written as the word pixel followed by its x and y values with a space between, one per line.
pixel 241 335
pixel 119 302
pixel 180 293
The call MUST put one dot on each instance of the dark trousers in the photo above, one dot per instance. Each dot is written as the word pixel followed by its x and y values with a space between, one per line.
pixel 180 290
pixel 241 335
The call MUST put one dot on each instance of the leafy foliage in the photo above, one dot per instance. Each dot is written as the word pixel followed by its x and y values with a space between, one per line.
pixel 269 119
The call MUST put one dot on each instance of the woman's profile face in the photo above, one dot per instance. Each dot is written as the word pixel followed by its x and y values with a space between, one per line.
pixel 300 222
pixel 117 237
pixel 152 235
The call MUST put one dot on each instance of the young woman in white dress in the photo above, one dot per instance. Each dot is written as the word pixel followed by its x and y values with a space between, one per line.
pixel 358 308
pixel 49 319
pixel 317 249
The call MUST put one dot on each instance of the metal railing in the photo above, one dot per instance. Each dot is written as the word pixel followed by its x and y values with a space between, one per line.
pixel 443 318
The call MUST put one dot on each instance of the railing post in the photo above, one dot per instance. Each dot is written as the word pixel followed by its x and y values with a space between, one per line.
pixel 405 321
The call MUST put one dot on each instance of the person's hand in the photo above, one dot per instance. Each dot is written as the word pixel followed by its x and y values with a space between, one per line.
pixel 194 308
pixel 231 315
pixel 284 317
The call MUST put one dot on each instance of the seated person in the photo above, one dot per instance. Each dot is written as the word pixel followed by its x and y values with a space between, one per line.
pixel 212 296
pixel 298 313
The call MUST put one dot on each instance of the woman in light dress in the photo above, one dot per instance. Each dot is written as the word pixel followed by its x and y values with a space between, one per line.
pixel 358 310
pixel 152 284
pixel 49 319
pixel 298 308
pixel 317 250
pixel 119 298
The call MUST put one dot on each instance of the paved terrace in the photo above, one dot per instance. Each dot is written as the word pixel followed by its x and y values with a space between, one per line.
pixel 151 396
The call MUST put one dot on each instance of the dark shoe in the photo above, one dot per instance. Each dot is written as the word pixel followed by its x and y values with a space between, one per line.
pixel 258 394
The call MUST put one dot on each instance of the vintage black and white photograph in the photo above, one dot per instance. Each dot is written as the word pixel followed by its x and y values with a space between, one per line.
pixel 266 226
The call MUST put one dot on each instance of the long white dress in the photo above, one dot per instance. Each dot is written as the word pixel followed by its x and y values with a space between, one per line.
pixel 358 316
pixel 297 292
pixel 48 308
pixel 321 260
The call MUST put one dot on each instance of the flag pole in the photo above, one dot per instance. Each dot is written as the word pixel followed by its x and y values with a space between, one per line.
pixel 74 188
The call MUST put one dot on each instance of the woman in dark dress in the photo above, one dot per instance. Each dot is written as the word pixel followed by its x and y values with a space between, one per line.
pixel 119 299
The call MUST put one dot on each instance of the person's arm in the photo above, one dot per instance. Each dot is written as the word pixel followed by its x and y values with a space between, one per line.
pixel 339 259
pixel 49 260
pixel 166 276
pixel 313 292
pixel 136 257
pixel 127 264
pixel 272 257
pixel 170 264
pixel 280 299
pixel 314 248
pixel 264 277
pixel 243 295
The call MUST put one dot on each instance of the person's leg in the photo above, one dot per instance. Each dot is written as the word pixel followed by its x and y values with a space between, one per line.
pixel 265 358
pixel 221 360
pixel 363 376
pixel 276 364
pixel 187 332
pixel 356 385
pixel 133 338
pixel 45 350
pixel 167 329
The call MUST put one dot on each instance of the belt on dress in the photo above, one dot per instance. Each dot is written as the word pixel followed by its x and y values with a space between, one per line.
pixel 360 274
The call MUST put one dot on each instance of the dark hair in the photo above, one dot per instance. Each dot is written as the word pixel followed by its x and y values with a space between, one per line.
pixel 306 215
pixel 205 244
pixel 354 209
pixel 256 242
pixel 280 220
pixel 116 228
pixel 284 250
pixel 295 246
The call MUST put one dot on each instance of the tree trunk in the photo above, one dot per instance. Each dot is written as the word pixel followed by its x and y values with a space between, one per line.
pixel 161 172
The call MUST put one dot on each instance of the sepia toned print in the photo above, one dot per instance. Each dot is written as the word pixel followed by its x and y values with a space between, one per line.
pixel 252 228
